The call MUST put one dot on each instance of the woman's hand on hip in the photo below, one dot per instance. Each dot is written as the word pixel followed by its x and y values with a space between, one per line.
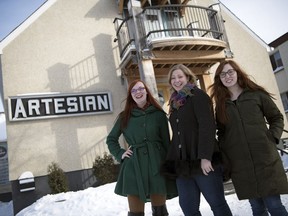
pixel 206 166
pixel 127 153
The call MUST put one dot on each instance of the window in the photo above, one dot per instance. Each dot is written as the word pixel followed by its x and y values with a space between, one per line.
pixel 276 61
pixel 284 98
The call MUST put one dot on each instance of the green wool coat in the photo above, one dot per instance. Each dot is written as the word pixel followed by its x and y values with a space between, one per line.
pixel 250 145
pixel 148 135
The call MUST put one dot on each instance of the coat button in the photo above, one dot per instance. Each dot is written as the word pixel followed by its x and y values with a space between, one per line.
pixel 178 132
pixel 179 146
pixel 177 120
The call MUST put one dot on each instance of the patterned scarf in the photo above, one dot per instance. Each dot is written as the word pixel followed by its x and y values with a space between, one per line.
pixel 178 99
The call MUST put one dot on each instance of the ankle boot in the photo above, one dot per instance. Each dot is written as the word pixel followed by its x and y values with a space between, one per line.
pixel 135 214
pixel 159 211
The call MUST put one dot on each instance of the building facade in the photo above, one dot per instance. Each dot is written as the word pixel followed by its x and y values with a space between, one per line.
pixel 279 61
pixel 65 72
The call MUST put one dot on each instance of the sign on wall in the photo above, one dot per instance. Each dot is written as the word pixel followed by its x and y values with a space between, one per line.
pixel 31 107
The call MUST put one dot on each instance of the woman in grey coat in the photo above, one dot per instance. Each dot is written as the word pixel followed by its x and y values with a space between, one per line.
pixel 242 109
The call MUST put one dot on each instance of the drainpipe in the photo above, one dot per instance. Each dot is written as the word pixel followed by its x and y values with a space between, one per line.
pixel 217 7
pixel 145 64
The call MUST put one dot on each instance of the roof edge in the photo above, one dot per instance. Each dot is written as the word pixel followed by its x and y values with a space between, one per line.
pixel 280 40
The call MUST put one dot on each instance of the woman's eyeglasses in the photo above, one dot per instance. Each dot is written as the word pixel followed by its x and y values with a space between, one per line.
pixel 230 72
pixel 140 89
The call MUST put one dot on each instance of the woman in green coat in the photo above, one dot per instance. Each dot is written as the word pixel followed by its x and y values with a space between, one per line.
pixel 144 126
pixel 248 144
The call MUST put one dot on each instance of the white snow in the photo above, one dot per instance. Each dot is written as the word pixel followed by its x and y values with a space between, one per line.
pixel 102 201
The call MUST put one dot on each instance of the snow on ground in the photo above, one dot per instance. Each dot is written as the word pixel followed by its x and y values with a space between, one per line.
pixel 102 201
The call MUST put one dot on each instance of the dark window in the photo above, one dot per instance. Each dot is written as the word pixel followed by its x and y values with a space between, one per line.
pixel 276 60
pixel 284 98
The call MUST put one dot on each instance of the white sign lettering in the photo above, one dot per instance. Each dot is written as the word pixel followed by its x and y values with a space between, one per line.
pixel 52 106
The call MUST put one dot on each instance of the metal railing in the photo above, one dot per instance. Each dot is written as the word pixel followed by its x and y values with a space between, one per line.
pixel 166 21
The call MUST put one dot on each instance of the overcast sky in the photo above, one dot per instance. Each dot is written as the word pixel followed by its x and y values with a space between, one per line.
pixel 267 18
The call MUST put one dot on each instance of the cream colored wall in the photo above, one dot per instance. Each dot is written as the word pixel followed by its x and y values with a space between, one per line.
pixel 282 75
pixel 69 49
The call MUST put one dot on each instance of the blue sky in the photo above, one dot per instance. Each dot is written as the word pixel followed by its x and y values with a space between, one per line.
pixel 14 12
pixel 267 18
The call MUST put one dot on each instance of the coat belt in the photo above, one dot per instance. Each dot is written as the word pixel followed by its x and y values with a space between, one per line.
pixel 151 155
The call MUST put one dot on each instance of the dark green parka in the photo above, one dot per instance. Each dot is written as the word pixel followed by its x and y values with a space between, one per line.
pixel 250 145
pixel 148 135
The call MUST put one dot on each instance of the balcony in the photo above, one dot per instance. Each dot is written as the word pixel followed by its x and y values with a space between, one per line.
pixel 171 34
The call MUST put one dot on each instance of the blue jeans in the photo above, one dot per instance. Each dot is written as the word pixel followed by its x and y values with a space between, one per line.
pixel 211 186
pixel 271 204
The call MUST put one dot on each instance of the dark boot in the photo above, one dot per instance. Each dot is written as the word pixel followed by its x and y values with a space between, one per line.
pixel 135 214
pixel 159 211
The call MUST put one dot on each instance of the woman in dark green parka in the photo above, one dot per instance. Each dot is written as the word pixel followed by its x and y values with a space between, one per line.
pixel 144 126
pixel 248 144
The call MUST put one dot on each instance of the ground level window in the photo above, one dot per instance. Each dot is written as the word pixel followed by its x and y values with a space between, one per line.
pixel 276 61
pixel 284 98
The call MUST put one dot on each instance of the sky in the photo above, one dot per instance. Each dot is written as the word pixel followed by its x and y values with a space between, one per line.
pixel 14 12
pixel 267 18
pixel 102 201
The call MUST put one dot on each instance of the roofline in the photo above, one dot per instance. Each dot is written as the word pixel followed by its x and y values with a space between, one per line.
pixel 25 24
pixel 280 40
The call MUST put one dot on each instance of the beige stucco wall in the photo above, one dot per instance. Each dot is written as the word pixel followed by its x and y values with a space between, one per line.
pixel 282 75
pixel 68 49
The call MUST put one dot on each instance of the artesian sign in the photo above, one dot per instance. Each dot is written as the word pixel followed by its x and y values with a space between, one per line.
pixel 58 105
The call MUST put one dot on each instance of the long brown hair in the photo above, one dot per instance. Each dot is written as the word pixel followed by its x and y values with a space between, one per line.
pixel 220 93
pixel 131 104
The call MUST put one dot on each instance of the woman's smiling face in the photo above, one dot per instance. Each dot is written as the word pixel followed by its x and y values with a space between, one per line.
pixel 178 80
pixel 139 94
pixel 228 76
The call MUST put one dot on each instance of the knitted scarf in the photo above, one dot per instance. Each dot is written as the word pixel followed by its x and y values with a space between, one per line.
pixel 178 99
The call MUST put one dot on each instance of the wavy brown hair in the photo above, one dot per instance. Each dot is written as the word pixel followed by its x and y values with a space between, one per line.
pixel 131 104
pixel 220 93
